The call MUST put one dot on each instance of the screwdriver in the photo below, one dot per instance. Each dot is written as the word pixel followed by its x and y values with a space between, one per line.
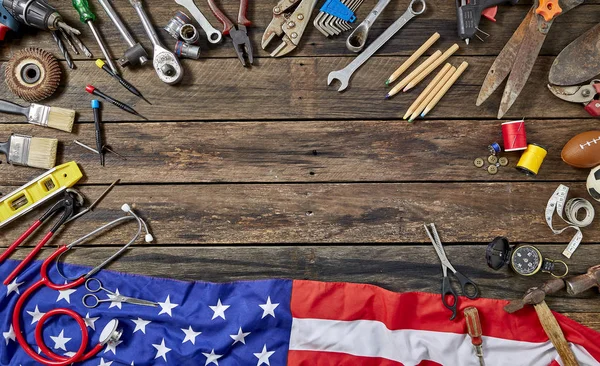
pixel 87 16
pixel 92 90
pixel 122 81
pixel 474 330
pixel 97 122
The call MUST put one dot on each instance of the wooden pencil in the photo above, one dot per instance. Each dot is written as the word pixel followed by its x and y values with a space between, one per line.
pixel 427 90
pixel 414 57
pixel 432 94
pixel 449 52
pixel 431 59
pixel 445 89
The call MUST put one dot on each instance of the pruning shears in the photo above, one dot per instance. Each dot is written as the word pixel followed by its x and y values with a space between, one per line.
pixel 588 95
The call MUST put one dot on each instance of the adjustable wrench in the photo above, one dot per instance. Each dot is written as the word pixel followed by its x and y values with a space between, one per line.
pixel 345 74
pixel 165 63
pixel 213 35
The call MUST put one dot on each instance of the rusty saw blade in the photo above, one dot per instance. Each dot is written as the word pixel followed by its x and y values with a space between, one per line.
pixel 579 61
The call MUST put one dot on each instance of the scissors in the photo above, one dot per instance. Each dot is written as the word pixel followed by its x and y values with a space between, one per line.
pixel 94 285
pixel 447 290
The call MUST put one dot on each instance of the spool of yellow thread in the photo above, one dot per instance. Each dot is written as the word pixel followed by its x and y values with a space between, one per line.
pixel 532 159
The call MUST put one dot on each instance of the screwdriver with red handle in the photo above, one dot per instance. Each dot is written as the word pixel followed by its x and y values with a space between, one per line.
pixel 474 330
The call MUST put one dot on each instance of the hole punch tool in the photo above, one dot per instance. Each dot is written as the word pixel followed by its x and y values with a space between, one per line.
pixel 165 63
pixel 239 33
pixel 468 287
pixel 517 58
pixel 92 301
pixel 290 18
pixel 588 95
pixel 111 332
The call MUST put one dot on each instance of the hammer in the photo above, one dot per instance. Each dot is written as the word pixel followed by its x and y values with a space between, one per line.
pixel 584 282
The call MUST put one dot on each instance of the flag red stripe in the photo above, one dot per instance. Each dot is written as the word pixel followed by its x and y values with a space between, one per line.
pixel 312 358
pixel 424 311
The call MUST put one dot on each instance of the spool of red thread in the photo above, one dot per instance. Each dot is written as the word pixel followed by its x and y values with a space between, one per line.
pixel 515 137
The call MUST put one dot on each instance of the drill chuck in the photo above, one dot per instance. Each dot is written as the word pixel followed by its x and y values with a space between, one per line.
pixel 36 13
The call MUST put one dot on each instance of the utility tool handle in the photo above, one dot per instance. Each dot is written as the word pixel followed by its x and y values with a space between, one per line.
pixel 3 30
pixel 549 9
pixel 555 334
pixel 473 325
pixel 84 10
pixel 448 291
pixel 584 282
pixel 18 242
pixel 28 259
pixel 469 288
pixel 593 108
pixel 242 19
pixel 12 108
pixel 227 24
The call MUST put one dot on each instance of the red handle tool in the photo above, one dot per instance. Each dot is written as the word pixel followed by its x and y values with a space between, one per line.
pixel 227 24
pixel 474 330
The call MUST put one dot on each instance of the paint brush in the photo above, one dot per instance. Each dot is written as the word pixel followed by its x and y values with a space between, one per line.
pixel 35 152
pixel 41 115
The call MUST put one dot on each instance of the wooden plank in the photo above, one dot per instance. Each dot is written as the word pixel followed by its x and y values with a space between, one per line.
pixel 326 214
pixel 274 152
pixel 405 268
pixel 591 320
pixel 440 17
pixel 295 88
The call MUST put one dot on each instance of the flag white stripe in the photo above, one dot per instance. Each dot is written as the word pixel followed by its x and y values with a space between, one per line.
pixel 369 338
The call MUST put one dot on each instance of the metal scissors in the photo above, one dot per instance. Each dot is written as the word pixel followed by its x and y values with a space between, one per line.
pixel 468 287
pixel 94 285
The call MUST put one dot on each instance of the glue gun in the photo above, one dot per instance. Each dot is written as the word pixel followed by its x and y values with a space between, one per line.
pixel 7 22
pixel 468 15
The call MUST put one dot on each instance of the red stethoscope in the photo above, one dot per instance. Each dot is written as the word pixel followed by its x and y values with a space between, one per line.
pixel 109 334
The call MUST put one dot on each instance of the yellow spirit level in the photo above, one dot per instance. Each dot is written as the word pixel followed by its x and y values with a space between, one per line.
pixel 38 191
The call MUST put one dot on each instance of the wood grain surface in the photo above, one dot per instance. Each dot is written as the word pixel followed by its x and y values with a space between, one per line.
pixel 266 172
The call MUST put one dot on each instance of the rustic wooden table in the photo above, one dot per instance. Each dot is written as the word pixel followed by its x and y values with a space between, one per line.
pixel 266 172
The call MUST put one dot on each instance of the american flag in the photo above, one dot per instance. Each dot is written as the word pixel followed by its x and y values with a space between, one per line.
pixel 278 322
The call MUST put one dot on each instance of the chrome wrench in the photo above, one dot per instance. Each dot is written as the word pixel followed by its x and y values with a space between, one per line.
pixel 358 38
pixel 213 34
pixel 165 63
pixel 345 74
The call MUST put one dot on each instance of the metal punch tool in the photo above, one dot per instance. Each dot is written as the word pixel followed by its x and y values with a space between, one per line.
pixel 213 34
pixel 135 54
pixel 358 38
pixel 166 64
pixel 344 75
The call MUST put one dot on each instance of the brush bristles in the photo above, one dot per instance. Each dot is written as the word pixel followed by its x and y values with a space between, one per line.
pixel 42 153
pixel 61 119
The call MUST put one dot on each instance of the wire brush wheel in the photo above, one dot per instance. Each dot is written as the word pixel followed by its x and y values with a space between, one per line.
pixel 33 74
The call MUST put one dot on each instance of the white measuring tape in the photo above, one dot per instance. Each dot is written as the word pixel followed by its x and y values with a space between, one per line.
pixel 570 209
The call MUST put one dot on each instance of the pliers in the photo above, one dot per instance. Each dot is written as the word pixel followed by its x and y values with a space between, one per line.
pixel 290 18
pixel 588 94
pixel 68 205
pixel 238 35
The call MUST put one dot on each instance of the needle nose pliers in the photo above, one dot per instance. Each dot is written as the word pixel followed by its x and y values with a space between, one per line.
pixel 239 32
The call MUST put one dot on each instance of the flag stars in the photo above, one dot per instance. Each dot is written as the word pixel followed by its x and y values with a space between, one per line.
pixel 211 358
pixel 167 306
pixel 104 363
pixel 219 310
pixel 112 347
pixel 161 350
pixel 65 295
pixel 263 356
pixel 36 315
pixel 239 337
pixel 60 341
pixel 114 302
pixel 90 322
pixel 268 308
pixel 13 287
pixel 10 335
pixel 140 324
pixel 190 335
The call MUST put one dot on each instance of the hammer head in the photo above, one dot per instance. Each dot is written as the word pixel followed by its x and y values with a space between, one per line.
pixel 584 282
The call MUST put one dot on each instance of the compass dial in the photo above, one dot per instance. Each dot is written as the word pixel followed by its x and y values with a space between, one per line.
pixel 526 260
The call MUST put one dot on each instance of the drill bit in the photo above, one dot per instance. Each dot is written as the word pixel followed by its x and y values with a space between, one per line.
pixel 81 46
pixel 63 49
pixel 92 90
pixel 68 40
pixel 127 85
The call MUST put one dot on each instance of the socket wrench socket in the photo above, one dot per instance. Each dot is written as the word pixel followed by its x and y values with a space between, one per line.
pixel 189 34
pixel 186 50
pixel 176 23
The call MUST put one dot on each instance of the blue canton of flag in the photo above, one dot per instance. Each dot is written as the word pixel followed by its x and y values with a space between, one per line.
pixel 194 323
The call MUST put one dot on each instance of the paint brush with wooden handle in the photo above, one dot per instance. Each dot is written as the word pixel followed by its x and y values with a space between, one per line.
pixel 30 151
pixel 41 115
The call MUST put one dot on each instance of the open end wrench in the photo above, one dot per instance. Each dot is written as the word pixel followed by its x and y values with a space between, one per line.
pixel 165 63
pixel 345 74
pixel 213 35
pixel 358 38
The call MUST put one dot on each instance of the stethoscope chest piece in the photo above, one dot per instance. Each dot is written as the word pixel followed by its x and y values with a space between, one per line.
pixel 111 333
pixel 525 259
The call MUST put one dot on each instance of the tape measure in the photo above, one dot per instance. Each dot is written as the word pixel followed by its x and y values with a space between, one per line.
pixel 38 191
pixel 567 211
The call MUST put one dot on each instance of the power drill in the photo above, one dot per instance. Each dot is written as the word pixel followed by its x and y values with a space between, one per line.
pixel 468 15
pixel 38 14
pixel 7 22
